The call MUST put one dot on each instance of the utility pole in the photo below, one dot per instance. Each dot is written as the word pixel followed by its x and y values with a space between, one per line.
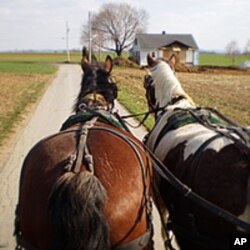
pixel 67 42
pixel 90 39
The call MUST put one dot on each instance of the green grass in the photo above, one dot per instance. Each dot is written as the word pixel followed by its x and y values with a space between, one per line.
pixel 131 92
pixel 75 57
pixel 39 57
pixel 221 59
pixel 26 67
pixel 32 73
pixel 135 104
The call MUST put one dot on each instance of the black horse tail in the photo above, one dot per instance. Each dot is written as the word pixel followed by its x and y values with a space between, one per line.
pixel 75 213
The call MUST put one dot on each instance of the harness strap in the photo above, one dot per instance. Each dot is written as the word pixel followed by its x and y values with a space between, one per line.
pixel 143 240
pixel 187 192
pixel 82 147
pixel 119 118
pixel 243 133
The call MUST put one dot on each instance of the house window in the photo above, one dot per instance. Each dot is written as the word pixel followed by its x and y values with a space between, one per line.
pixel 136 42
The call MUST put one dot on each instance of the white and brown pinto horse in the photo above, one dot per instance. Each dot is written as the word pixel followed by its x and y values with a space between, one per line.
pixel 208 161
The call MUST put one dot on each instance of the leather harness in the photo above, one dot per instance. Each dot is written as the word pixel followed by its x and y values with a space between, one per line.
pixel 74 164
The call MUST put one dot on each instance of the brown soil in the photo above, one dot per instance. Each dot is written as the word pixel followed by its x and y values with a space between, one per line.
pixel 13 87
pixel 121 61
pixel 227 90
pixel 212 70
pixel 228 93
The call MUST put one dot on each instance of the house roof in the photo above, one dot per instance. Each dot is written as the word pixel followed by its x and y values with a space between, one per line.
pixel 155 41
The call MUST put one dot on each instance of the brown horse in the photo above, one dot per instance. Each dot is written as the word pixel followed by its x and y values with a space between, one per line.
pixel 88 186
pixel 204 152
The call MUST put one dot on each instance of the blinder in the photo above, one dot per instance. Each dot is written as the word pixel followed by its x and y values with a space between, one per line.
pixel 150 92
pixel 148 80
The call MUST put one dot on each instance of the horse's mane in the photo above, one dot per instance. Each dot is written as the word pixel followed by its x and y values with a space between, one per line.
pixel 167 82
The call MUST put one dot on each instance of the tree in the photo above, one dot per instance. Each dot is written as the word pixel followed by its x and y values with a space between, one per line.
pixel 115 25
pixel 247 47
pixel 232 50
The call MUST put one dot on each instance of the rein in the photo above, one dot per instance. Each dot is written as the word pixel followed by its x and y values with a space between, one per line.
pixel 163 171
pixel 242 132
pixel 153 110
pixel 146 114
pixel 187 192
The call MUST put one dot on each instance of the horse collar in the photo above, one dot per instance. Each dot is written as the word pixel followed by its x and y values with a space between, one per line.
pixel 173 101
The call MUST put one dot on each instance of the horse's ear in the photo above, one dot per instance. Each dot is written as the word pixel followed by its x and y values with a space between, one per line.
pixel 172 61
pixel 151 61
pixel 108 64
pixel 84 63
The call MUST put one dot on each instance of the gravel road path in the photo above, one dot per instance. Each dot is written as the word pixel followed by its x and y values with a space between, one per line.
pixel 53 109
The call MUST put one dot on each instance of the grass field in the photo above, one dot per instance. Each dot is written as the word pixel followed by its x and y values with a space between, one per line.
pixel 39 57
pixel 24 77
pixel 26 68
pixel 221 60
pixel 75 57
pixel 227 91
pixel 21 84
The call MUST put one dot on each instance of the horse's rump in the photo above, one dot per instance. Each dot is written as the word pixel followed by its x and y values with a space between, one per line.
pixel 117 169
pixel 215 168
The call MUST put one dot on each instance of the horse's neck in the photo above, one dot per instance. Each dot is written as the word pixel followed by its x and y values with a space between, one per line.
pixel 167 86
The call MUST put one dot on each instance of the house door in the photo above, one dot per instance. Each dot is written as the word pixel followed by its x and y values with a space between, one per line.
pixel 189 56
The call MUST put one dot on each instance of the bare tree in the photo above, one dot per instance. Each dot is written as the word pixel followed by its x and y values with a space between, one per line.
pixel 233 50
pixel 247 47
pixel 115 26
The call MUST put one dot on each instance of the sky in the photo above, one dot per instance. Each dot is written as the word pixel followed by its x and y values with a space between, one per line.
pixel 41 24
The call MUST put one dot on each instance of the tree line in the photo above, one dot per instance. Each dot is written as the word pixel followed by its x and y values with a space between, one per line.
pixel 233 50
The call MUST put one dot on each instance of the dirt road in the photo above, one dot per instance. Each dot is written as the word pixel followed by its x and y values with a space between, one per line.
pixel 54 107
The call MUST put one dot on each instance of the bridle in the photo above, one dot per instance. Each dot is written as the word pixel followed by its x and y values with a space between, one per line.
pixel 99 101
pixel 150 92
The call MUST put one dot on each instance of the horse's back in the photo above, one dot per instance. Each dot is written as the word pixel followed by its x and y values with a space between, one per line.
pixel 216 170
pixel 118 168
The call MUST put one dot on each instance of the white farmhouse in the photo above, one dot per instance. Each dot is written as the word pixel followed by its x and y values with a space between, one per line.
pixel 163 45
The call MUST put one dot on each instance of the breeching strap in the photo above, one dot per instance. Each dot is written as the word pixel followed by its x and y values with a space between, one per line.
pixel 82 148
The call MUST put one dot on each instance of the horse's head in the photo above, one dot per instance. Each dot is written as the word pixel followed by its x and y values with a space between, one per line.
pixel 155 82
pixel 98 91
pixel 162 86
